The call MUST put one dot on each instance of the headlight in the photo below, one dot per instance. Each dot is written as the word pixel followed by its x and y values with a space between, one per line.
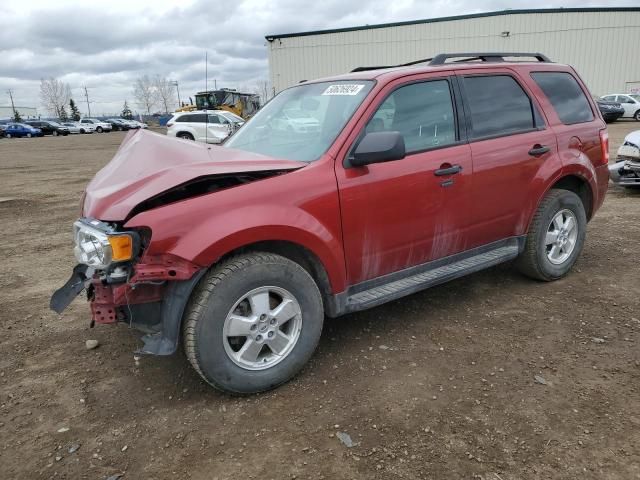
pixel 98 249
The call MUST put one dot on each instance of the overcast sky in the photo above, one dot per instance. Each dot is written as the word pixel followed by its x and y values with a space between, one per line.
pixel 107 45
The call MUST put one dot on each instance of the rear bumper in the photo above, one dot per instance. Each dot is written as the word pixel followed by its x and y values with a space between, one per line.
pixel 611 117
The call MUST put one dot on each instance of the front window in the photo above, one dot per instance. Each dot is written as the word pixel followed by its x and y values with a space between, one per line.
pixel 302 122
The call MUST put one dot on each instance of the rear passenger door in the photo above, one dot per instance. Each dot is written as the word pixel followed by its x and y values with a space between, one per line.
pixel 510 145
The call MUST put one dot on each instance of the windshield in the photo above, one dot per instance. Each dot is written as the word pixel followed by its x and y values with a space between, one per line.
pixel 302 122
pixel 635 97
pixel 55 124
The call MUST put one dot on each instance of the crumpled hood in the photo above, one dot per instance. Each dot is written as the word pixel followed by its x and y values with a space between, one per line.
pixel 147 164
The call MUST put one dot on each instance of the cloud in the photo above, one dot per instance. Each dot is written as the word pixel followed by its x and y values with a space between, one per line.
pixel 107 45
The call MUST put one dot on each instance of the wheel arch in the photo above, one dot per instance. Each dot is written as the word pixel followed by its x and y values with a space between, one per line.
pixel 575 182
pixel 295 252
pixel 580 186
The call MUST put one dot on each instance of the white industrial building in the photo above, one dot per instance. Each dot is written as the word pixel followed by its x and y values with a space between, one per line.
pixel 603 44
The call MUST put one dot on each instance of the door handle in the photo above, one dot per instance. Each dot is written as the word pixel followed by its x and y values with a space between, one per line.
pixel 538 150
pixel 451 170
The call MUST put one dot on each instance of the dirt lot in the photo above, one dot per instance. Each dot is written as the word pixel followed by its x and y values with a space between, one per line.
pixel 439 385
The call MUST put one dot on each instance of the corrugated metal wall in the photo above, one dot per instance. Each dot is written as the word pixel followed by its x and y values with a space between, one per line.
pixel 604 47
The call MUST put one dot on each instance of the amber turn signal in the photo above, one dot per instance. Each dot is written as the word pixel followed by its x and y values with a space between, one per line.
pixel 122 247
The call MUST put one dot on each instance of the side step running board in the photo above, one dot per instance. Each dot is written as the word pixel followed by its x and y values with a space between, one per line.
pixel 408 285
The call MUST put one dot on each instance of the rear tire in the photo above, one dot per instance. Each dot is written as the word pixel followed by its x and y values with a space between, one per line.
pixel 637 116
pixel 28 135
pixel 55 133
pixel 556 237
pixel 252 323
pixel 8 135
pixel 185 136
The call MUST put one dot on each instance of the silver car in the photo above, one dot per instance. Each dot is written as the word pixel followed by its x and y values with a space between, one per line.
pixel 626 170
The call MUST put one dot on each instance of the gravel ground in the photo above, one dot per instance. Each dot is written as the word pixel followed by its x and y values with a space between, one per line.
pixel 493 376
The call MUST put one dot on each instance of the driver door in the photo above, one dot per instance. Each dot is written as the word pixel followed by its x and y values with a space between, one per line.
pixel 404 213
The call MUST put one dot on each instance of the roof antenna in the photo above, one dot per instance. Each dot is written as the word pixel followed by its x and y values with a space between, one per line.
pixel 206 102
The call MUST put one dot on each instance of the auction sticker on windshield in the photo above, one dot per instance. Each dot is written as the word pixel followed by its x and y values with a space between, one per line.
pixel 343 89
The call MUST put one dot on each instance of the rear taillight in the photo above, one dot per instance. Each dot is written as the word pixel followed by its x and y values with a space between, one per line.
pixel 604 146
pixel 169 124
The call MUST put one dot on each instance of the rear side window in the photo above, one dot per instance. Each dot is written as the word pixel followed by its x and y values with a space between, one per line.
pixel 498 106
pixel 185 118
pixel 566 96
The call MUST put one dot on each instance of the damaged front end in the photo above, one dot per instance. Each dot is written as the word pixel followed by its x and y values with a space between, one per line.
pixel 122 285
pixel 127 277
pixel 626 170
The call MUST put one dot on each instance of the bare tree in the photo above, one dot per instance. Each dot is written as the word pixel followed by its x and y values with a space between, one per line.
pixel 166 93
pixel 54 95
pixel 145 93
pixel 264 91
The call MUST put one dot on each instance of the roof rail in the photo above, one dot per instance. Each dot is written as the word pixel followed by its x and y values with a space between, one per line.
pixel 415 62
pixel 442 58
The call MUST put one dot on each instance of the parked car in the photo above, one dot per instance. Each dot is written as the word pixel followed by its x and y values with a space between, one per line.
pixel 245 247
pixel 118 124
pixel 626 169
pixel 98 125
pixel 49 127
pixel 611 111
pixel 87 127
pixel 630 103
pixel 209 126
pixel 137 124
pixel 21 130
pixel 73 127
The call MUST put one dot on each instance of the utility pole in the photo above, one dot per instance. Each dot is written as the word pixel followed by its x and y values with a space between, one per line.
pixel 10 92
pixel 86 95
pixel 174 83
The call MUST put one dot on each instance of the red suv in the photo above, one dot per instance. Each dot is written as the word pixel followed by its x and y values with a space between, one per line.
pixel 339 195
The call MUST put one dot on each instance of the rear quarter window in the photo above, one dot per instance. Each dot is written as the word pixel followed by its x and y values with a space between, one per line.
pixel 568 99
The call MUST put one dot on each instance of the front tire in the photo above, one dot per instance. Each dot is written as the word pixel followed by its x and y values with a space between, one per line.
pixel 252 323
pixel 55 133
pixel 555 238
pixel 99 129
pixel 28 135
pixel 637 116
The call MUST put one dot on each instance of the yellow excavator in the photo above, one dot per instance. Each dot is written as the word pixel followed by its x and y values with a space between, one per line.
pixel 243 104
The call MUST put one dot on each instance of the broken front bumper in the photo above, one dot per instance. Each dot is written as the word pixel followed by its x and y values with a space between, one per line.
pixel 625 173
pixel 152 299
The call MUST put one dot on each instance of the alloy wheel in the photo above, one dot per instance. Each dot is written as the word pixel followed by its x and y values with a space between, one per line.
pixel 561 236
pixel 262 328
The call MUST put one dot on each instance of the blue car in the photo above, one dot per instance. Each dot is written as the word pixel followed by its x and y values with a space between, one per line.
pixel 21 130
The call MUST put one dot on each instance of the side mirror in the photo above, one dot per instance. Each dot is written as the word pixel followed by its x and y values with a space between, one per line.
pixel 378 147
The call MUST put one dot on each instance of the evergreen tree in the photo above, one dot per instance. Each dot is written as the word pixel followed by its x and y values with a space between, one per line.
pixel 63 115
pixel 75 113
pixel 16 116
pixel 126 112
